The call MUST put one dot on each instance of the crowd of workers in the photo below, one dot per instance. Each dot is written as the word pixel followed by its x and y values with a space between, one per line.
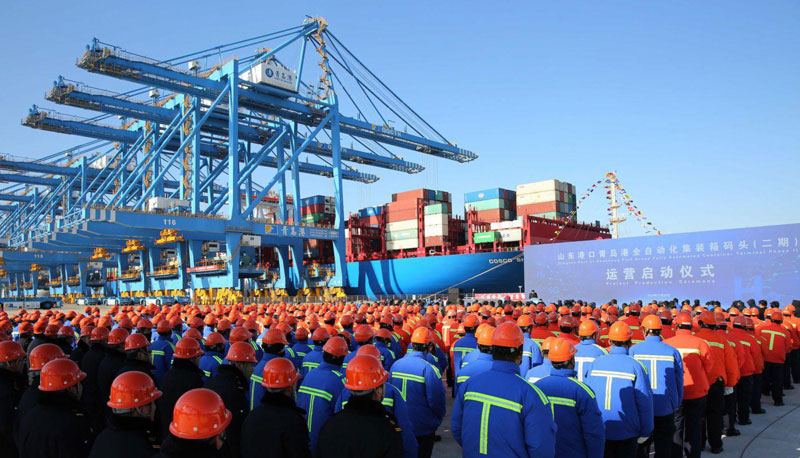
pixel 371 380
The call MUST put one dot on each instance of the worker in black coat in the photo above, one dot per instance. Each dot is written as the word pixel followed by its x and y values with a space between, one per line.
pixel 24 334
pixel 231 384
pixel 113 361
pixel 82 346
pixel 129 433
pixel 40 356
pixel 184 375
pixel 39 336
pixel 197 428
pixel 363 428
pixel 137 355
pixel 276 427
pixel 92 402
pixel 57 427
pixel 12 384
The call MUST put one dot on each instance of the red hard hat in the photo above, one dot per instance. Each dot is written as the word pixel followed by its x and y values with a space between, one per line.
pixel 365 373
pixel 144 323
pixel 66 331
pixel 336 346
pixel 279 373
pixel 242 352
pixel 196 322
pixel 620 332
pixel 567 321
pixel 86 331
pixel 684 319
pixel 214 338
pixel 508 334
pixel 651 322
pixel 485 334
pixel 707 318
pixel 60 374
pixel 320 334
pixel 187 348
pixel 776 317
pixel 471 321
pixel 136 341
pixel 199 414
pixel 43 354
pixel 422 336
pixel 561 350
pixel 524 321
pixel 51 330
pixel 25 327
pixel 10 351
pixel 740 321
pixel 224 324
pixel 301 333
pixel 193 333
pixel 99 334
pixel 363 333
pixel 240 334
pixel 117 336
pixel 369 350
pixel 163 327
pixel 274 336
pixel 587 328
pixel 132 389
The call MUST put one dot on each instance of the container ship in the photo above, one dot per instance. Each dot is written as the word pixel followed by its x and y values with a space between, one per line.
pixel 416 245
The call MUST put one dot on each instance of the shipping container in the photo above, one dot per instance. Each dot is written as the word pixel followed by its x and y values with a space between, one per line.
pixel 402 235
pixel 371 211
pixel 496 215
pixel 494 193
pixel 435 241
pixel 403 225
pixel 402 244
pixel 538 197
pixel 441 207
pixel 541 207
pixel 485 237
pixel 439 219
pixel 510 235
pixel 490 204
pixel 272 73
pixel 500 225
pixel 538 186
pixel 436 231
pixel 401 215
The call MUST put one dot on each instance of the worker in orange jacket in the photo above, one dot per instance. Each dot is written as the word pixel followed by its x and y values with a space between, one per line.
pixel 540 332
pixel 736 357
pixel 788 323
pixel 724 369
pixel 747 369
pixel 758 376
pixel 776 344
pixel 698 367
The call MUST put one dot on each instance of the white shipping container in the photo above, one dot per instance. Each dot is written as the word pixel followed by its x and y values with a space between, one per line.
pixel 505 225
pixel 537 197
pixel 537 186
pixel 402 244
pixel 436 219
pixel 404 225
pixel 510 235
pixel 163 203
pixel 272 73
pixel 436 231
pixel 103 162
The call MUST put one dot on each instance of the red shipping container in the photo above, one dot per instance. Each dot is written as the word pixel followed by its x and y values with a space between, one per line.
pixel 307 210
pixel 404 205
pixel 494 215
pixel 400 215
pixel 435 241
pixel 542 207
pixel 411 195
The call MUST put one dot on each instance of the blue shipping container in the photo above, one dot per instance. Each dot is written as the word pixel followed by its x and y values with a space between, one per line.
pixel 493 193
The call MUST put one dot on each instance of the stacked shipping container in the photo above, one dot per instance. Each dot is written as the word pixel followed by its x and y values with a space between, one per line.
pixel 492 205
pixel 408 213
pixel 318 210
pixel 548 199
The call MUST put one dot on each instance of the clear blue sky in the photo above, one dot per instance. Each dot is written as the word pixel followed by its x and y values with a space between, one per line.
pixel 695 104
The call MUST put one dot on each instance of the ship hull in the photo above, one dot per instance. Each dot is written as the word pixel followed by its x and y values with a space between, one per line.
pixel 479 272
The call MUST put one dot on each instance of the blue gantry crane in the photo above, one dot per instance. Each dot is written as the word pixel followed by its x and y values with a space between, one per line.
pixel 193 179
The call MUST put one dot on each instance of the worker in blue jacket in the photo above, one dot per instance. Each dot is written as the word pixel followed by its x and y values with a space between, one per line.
pixel 321 388
pixel 213 356
pixel 498 413
pixel 623 393
pixel 161 350
pixel 466 344
pixel 383 342
pixel 531 353
pixel 274 345
pixel 581 433
pixel 420 382
pixel 394 403
pixel 665 368
pixel 302 347
pixel 588 349
pixel 483 361
pixel 541 371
